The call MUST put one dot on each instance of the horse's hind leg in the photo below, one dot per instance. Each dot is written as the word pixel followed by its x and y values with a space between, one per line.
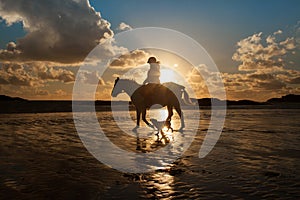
pixel 180 113
pixel 144 118
pixel 170 113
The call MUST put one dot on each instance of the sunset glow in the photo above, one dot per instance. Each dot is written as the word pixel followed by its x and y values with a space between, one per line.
pixel 258 58
pixel 167 75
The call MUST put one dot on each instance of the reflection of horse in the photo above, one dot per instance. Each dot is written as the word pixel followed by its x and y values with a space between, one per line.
pixel 159 125
pixel 145 96
pixel 150 145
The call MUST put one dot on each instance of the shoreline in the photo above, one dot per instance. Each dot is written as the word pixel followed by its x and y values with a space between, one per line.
pixel 15 107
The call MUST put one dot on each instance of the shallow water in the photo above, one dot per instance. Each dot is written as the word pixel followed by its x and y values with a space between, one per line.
pixel 257 156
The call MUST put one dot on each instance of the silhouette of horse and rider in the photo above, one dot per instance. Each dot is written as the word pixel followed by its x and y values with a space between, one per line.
pixel 153 92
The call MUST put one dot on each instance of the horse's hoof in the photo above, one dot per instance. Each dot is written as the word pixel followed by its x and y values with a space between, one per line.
pixel 181 129
pixel 135 129
pixel 151 126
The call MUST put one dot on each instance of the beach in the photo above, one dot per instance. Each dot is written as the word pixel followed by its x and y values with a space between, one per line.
pixel 256 157
pixel 218 82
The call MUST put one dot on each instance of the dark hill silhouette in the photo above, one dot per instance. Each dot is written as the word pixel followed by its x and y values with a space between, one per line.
pixel 290 98
pixel 287 99
pixel 8 98
pixel 207 101
pixel 244 102
pixel 20 105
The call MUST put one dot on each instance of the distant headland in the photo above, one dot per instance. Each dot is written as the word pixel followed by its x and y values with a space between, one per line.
pixel 19 105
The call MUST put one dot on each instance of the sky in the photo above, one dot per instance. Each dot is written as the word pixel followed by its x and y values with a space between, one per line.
pixel 255 44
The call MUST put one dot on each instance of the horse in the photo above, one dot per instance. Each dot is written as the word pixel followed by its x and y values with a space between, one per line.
pixel 145 96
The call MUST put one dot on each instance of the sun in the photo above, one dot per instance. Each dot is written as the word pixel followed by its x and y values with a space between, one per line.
pixel 167 75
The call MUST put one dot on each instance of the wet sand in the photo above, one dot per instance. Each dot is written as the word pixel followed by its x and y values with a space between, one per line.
pixel 257 157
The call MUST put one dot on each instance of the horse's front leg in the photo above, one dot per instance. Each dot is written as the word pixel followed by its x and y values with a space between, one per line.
pixel 180 113
pixel 138 116
pixel 145 120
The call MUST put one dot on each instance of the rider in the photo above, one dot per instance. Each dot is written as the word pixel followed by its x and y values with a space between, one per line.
pixel 154 71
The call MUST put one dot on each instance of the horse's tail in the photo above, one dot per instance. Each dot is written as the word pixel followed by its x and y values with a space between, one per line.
pixel 186 98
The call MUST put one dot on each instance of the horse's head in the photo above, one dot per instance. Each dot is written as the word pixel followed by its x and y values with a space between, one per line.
pixel 124 85
pixel 117 89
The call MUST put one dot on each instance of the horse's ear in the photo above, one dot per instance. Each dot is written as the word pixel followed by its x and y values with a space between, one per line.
pixel 117 79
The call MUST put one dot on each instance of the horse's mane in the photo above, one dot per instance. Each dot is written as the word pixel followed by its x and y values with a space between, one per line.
pixel 129 80
pixel 126 80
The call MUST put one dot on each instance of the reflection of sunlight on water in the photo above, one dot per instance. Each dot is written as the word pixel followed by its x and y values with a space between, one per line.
pixel 147 148
pixel 160 186
pixel 155 142
pixel 176 124
pixel 162 114
pixel 158 114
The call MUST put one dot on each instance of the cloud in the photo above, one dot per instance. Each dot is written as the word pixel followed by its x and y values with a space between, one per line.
pixel 255 55
pixel 59 31
pixel 15 74
pixel 262 73
pixel 60 93
pixel 261 85
pixel 130 60
pixel 297 32
pixel 51 74
pixel 288 44
pixel 90 77
pixel 204 79
pixel 11 47
pixel 41 93
pixel 33 74
pixel 124 27
pixel 59 35
pixel 278 32
pixel 294 80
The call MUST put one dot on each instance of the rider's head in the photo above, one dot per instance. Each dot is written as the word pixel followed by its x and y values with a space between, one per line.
pixel 152 60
